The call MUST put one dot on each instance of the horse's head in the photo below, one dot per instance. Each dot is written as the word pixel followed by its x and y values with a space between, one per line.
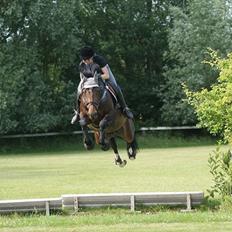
pixel 91 98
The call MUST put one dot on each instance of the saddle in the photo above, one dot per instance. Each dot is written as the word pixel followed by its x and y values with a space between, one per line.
pixel 112 93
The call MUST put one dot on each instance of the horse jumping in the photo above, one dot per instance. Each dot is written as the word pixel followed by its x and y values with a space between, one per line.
pixel 99 111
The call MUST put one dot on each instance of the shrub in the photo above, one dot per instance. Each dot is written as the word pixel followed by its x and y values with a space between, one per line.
pixel 221 169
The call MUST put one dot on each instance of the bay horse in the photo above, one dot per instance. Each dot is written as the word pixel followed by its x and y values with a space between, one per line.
pixel 100 112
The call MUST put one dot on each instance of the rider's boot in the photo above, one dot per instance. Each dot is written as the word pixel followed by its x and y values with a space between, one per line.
pixel 126 111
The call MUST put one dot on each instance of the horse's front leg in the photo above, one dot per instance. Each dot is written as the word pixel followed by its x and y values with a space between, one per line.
pixel 104 123
pixel 118 160
pixel 87 140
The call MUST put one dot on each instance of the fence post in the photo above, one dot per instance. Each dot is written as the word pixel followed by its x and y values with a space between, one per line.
pixel 132 201
pixel 47 208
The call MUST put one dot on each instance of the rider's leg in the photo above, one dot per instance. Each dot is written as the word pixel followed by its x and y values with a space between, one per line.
pixel 121 99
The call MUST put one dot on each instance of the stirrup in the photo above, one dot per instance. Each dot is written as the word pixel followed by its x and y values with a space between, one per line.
pixel 75 117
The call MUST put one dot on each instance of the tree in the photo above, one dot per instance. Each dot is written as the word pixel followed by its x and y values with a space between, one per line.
pixel 39 42
pixel 132 36
pixel 203 24
pixel 213 107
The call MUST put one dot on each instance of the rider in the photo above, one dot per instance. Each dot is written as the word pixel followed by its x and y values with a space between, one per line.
pixel 91 63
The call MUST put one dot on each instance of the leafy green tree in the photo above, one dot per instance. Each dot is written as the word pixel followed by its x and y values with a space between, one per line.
pixel 39 41
pixel 213 106
pixel 203 24
pixel 132 35
pixel 214 109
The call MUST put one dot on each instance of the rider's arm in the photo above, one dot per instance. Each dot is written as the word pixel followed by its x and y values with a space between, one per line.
pixel 103 65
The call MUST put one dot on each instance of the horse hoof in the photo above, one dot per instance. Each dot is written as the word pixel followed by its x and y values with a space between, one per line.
pixel 131 153
pixel 121 163
pixel 105 147
pixel 88 147
pixel 89 144
pixel 132 157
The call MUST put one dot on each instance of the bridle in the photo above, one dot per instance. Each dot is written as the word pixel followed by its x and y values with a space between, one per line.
pixel 95 104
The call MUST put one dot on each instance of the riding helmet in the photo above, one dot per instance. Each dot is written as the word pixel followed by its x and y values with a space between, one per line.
pixel 86 53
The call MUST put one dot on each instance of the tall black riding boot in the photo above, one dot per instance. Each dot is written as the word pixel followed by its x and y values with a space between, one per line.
pixel 126 111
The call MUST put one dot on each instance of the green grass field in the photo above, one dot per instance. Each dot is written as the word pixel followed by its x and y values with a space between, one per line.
pixel 51 174
pixel 54 174
pixel 120 221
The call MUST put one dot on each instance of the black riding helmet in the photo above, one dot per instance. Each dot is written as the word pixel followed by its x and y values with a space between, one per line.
pixel 86 53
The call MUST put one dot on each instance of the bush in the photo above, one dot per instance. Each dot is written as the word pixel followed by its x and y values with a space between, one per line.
pixel 221 168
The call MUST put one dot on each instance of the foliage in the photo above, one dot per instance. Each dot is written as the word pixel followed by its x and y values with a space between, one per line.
pixel 132 35
pixel 220 165
pixel 36 51
pixel 213 107
pixel 204 24
pixel 40 42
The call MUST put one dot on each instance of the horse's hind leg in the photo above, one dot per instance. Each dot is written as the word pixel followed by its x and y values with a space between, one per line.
pixel 132 149
pixel 129 136
pixel 118 160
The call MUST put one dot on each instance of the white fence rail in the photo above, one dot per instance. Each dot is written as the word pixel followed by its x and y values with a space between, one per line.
pixel 162 128
pixel 187 199
pixel 31 205
pixel 142 129
pixel 74 202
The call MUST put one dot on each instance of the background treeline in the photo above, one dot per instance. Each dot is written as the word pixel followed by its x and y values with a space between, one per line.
pixel 152 47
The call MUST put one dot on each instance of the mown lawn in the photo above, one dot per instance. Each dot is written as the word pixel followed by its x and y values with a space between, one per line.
pixel 35 175
pixel 53 174
pixel 120 220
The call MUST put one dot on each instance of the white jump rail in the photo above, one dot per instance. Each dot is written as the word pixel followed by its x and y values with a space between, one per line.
pixel 74 202
pixel 188 199
pixel 31 205
pixel 142 129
